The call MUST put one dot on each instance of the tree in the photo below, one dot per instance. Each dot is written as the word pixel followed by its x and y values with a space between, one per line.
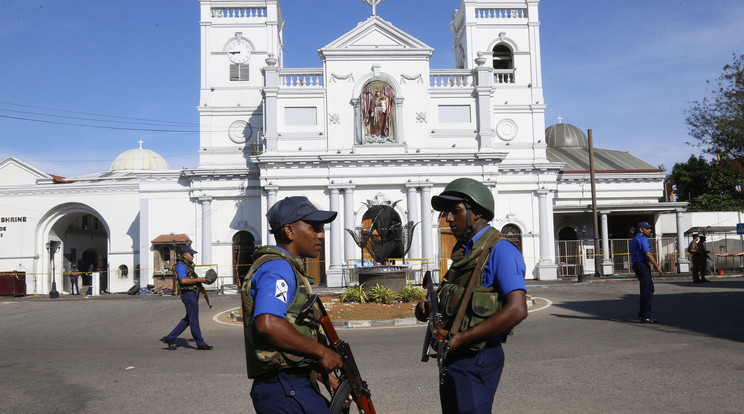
pixel 708 186
pixel 717 123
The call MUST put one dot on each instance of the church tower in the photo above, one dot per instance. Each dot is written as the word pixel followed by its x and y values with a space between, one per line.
pixel 237 37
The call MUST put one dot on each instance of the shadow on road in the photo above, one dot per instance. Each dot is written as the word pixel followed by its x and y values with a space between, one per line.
pixel 714 309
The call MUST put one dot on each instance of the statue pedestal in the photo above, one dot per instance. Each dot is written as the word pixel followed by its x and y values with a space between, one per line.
pixel 393 277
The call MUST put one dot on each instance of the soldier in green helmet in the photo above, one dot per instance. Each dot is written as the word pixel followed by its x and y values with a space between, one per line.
pixel 482 297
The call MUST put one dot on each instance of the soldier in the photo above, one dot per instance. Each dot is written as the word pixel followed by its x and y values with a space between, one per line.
pixel 285 354
pixel 640 255
pixel 188 285
pixel 492 268
pixel 74 278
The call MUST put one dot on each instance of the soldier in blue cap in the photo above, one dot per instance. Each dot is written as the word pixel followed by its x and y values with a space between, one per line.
pixel 640 255
pixel 188 285
pixel 285 352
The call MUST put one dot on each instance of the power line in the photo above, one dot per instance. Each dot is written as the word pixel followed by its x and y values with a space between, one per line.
pixel 98 126
pixel 92 119
pixel 94 114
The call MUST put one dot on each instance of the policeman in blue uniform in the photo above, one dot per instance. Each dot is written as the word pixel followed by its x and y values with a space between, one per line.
pixel 640 254
pixel 188 285
pixel 286 352
pixel 498 303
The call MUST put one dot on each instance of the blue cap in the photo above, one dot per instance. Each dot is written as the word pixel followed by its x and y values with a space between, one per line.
pixel 644 225
pixel 297 208
pixel 187 249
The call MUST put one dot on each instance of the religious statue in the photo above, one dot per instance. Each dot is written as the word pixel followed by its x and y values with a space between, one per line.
pixel 378 113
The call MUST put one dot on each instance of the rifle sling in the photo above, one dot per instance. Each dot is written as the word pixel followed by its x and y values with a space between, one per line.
pixel 465 300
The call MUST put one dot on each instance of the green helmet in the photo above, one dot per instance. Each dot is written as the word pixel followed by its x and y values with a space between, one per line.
pixel 465 190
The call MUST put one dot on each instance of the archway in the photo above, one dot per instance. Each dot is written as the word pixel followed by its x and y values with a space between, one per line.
pixel 243 246
pixel 514 234
pixel 84 241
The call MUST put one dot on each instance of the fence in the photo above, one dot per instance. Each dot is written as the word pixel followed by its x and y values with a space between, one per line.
pixel 573 259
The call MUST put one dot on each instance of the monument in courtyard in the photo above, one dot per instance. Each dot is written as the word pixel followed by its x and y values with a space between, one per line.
pixel 384 239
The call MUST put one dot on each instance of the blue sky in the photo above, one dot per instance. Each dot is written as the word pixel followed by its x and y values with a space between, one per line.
pixel 626 69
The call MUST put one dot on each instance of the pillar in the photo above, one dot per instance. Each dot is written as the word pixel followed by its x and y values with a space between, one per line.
pixel 205 249
pixel 349 245
pixel 683 264
pixel 427 249
pixel 271 192
pixel 412 191
pixel 607 267
pixel 546 267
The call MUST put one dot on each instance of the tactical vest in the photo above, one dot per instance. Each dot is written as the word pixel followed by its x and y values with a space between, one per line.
pixel 484 301
pixel 190 272
pixel 261 356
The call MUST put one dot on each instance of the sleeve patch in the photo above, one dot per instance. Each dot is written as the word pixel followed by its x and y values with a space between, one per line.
pixel 281 290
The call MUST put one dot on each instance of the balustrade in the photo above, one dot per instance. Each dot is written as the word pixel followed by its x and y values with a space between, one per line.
pixel 238 12
pixel 451 79
pixel 309 78
pixel 500 13
pixel 503 76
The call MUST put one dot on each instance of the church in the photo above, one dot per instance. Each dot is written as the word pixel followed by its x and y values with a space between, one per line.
pixel 372 125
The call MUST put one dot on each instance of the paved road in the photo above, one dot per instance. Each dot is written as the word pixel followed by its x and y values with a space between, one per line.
pixel 584 354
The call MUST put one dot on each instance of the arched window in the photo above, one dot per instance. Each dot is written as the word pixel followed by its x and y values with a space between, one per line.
pixel 514 235
pixel 502 57
pixel 243 246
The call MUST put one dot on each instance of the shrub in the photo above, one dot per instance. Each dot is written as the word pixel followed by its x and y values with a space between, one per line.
pixel 411 293
pixel 382 294
pixel 354 294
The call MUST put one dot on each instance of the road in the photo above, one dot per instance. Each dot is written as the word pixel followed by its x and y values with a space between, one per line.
pixel 585 353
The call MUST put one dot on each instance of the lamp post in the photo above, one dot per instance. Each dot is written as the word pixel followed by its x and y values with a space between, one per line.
pixel 53 247
pixel 581 277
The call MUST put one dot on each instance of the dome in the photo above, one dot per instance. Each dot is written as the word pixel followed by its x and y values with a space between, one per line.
pixel 139 159
pixel 565 135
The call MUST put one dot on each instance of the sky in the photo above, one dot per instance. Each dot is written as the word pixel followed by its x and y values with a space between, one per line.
pixel 82 81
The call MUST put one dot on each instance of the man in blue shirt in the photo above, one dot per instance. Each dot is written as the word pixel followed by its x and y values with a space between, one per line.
pixel 493 269
pixel 640 255
pixel 285 351
pixel 188 285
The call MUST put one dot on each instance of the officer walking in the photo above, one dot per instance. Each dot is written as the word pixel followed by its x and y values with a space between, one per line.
pixel 188 285
pixel 640 254
pixel 285 353
pixel 487 272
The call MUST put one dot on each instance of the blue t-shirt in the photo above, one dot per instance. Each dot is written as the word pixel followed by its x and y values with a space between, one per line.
pixel 505 268
pixel 181 271
pixel 273 288
pixel 638 248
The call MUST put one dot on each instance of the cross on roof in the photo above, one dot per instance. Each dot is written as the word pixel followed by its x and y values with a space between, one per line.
pixel 560 119
pixel 374 4
pixel 140 142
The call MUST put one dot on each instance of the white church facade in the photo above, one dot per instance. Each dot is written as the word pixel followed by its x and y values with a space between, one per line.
pixel 374 124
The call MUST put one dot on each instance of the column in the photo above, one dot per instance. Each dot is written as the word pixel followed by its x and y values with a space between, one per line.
pixel 547 269
pixel 349 245
pixel 270 109
pixel 683 264
pixel 607 267
pixel 412 191
pixel 335 258
pixel 427 249
pixel 205 249
pixel 483 75
pixel 271 191
pixel 145 257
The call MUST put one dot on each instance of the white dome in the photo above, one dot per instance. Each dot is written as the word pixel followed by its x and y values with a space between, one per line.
pixel 139 159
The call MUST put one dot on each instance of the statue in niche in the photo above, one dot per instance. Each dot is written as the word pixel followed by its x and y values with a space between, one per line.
pixel 378 113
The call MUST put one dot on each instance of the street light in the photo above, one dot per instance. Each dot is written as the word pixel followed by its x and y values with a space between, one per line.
pixel 53 247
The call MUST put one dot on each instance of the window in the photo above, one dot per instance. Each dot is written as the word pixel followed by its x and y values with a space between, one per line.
pixel 502 57
pixel 512 232
pixel 238 72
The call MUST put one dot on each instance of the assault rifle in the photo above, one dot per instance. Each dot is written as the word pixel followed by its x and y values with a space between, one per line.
pixel 435 322
pixel 204 292
pixel 350 379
